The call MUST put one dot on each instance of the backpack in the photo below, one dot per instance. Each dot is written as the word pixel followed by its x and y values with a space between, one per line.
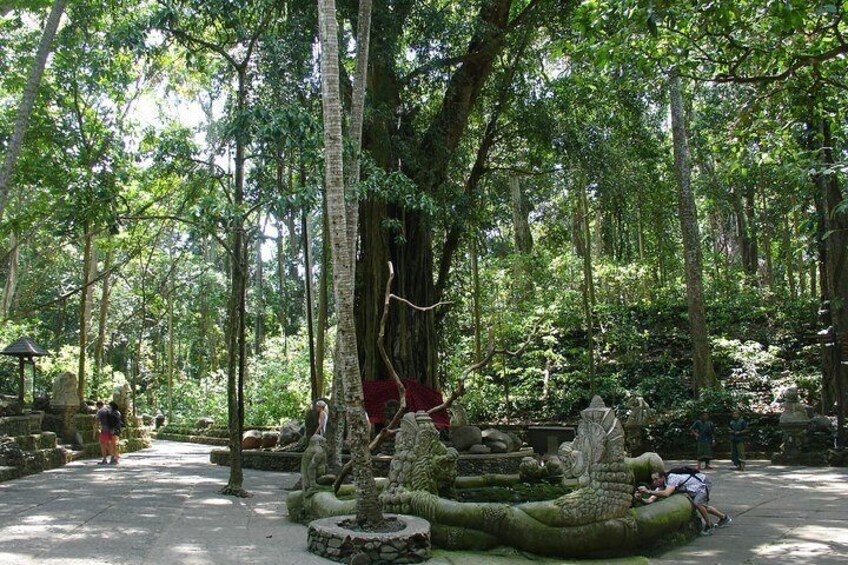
pixel 693 474
pixel 113 420
pixel 685 470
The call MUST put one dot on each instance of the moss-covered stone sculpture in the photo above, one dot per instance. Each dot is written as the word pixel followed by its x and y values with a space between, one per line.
pixel 595 519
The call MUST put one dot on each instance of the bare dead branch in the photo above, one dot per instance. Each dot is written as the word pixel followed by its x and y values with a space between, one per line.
pixel 490 354
pixel 411 305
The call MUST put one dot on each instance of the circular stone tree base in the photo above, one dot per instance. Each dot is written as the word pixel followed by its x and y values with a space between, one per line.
pixel 330 538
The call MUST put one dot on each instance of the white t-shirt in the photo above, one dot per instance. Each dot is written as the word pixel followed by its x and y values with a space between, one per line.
pixel 692 484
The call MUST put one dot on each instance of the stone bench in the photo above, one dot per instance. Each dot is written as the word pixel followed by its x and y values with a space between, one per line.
pixel 546 440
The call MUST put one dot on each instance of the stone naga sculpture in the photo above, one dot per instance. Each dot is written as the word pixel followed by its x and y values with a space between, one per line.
pixel 313 464
pixel 594 519
pixel 639 412
pixel 421 465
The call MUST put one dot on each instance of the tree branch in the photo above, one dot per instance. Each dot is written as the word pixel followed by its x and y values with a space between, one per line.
pixel 799 63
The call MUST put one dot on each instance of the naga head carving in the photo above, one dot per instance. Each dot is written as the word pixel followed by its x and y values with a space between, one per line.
pixel 600 439
pixel 421 461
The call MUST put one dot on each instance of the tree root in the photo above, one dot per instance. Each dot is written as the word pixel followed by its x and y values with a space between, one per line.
pixel 230 490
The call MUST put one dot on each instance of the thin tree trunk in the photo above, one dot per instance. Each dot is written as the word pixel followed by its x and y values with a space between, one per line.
pixel 316 386
pixel 323 306
pixel 767 237
pixel 796 238
pixel 475 298
pixel 368 513
pixel 170 391
pixel 357 113
pixel 295 299
pixel 28 101
pixel 363 43
pixel 103 317
pixel 588 289
pixel 11 276
pixel 789 257
pixel 85 308
pixel 834 230
pixel 703 375
pixel 259 316
pixel 523 237
pixel 750 212
pixel 237 340
pixel 281 277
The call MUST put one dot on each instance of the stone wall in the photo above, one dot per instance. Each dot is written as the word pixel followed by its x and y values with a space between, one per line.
pixel 329 538
pixel 28 454
pixel 21 425
pixel 289 462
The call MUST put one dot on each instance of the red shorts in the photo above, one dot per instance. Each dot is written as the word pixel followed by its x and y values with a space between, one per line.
pixel 105 437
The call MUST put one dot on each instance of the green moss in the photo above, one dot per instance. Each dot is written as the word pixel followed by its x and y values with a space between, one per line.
pixel 506 556
pixel 516 493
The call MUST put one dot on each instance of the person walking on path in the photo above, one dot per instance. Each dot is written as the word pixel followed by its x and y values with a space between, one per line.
pixel 696 485
pixel 738 430
pixel 105 435
pixel 704 432
pixel 116 424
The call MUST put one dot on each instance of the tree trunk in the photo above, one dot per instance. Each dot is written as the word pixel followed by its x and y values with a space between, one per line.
pixel 703 375
pixel 834 230
pixel 753 232
pixel 281 277
pixel 796 239
pixel 767 237
pixel 588 288
pixel 85 309
pixel 789 257
pixel 295 298
pixel 368 513
pixel 259 316
pixel 475 300
pixel 316 386
pixel 236 318
pixel 521 226
pixel 28 101
pixel 747 248
pixel 411 337
pixel 11 276
pixel 103 317
pixel 323 306
pixel 170 391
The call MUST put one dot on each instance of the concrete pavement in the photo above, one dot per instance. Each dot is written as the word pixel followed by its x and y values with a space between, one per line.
pixel 780 515
pixel 161 506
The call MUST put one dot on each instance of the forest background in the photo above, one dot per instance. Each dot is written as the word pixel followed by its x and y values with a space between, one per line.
pixel 519 163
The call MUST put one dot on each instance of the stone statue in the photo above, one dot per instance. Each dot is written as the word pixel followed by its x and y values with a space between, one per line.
pixel 531 470
pixel 458 417
pixel 595 458
pixel 794 410
pixel 596 518
pixel 639 412
pixel 122 396
pixel 313 464
pixel 65 391
pixel 421 464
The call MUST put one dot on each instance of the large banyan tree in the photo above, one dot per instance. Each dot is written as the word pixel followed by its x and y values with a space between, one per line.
pixel 403 134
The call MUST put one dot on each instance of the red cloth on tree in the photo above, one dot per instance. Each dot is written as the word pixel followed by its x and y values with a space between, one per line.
pixel 418 397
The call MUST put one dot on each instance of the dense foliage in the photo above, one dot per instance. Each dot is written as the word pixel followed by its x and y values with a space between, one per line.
pixel 525 176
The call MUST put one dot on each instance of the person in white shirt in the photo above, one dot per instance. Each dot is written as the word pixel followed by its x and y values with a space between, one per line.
pixel 696 485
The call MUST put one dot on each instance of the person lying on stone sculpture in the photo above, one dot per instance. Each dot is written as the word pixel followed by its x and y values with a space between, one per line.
pixel 696 485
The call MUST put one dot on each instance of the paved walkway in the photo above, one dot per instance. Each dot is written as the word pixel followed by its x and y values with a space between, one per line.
pixel 161 506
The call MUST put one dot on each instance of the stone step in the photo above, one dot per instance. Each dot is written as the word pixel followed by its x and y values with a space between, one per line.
pixel 34 442
pixel 36 462
pixel 8 473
